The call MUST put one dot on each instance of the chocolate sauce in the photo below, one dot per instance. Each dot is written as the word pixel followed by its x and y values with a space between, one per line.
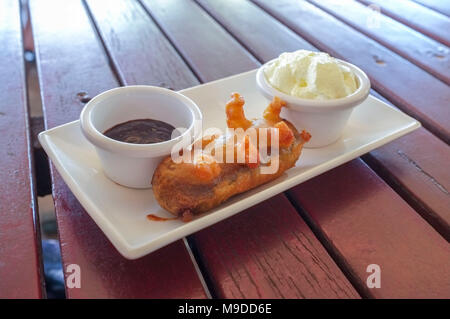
pixel 145 131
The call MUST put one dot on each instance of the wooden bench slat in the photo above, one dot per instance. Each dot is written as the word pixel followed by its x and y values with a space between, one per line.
pixel 424 99
pixel 269 252
pixel 416 16
pixel 130 35
pixel 425 52
pixel 20 261
pixel 438 5
pixel 304 258
pixel 71 59
pixel 417 167
pixel 365 223
pixel 407 174
pixel 229 15
pixel 196 20
pixel 253 33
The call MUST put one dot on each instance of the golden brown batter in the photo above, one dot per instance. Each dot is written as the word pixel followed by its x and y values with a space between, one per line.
pixel 185 189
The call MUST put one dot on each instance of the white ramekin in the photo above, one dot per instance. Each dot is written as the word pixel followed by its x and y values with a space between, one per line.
pixel 128 164
pixel 323 119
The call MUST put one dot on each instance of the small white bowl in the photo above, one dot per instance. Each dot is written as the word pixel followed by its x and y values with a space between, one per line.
pixel 128 164
pixel 323 119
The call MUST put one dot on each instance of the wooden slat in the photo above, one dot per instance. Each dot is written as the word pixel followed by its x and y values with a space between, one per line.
pixel 253 33
pixel 20 264
pixel 269 252
pixel 420 176
pixel 416 16
pixel 365 223
pixel 71 60
pixel 330 281
pixel 131 35
pixel 438 5
pixel 168 13
pixel 425 52
pixel 417 167
pixel 391 75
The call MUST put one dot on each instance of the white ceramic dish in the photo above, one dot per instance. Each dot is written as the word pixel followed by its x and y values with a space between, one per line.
pixel 324 119
pixel 129 164
pixel 121 212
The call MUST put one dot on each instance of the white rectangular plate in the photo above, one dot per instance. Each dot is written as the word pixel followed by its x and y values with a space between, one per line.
pixel 121 212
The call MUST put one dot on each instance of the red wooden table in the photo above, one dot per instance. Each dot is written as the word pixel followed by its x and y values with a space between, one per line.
pixel 391 207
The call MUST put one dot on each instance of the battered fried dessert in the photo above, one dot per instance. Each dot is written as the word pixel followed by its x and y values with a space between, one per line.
pixel 230 163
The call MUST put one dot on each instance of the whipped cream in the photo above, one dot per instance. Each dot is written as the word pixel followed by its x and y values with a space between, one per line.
pixel 310 75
